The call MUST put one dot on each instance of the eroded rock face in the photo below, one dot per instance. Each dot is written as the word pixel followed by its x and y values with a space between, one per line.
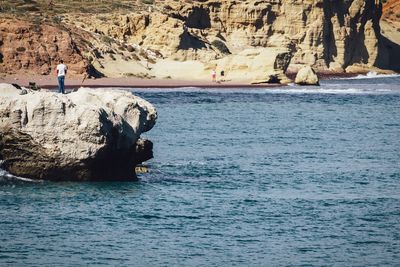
pixel 307 76
pixel 262 65
pixel 328 35
pixel 31 48
pixel 325 34
pixel 83 136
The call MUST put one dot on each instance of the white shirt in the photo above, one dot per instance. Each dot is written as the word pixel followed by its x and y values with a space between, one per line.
pixel 61 69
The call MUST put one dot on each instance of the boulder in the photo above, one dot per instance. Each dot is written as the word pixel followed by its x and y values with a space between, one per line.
pixel 307 76
pixel 87 135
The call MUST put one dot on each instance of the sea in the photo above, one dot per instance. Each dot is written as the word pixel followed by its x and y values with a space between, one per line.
pixel 289 176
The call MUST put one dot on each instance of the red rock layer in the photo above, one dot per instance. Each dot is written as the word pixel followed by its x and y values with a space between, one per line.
pixel 35 48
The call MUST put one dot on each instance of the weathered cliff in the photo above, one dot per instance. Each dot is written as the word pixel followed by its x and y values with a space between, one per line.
pixel 36 48
pixel 84 135
pixel 325 34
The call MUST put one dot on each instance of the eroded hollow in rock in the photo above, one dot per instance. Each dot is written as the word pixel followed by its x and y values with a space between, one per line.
pixel 198 18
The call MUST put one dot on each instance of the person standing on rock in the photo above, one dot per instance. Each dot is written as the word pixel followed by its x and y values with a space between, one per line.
pixel 61 72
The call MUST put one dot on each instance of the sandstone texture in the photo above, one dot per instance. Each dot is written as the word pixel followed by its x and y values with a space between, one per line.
pixel 86 135
pixel 187 39
pixel 307 76
pixel 391 11
pixel 390 28
pixel 34 48
pixel 328 35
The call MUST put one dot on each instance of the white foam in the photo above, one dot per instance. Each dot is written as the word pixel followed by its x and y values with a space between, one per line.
pixel 7 175
pixel 199 89
pixel 371 75
pixel 336 91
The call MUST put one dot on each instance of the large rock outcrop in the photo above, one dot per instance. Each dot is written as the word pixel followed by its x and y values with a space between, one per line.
pixel 82 136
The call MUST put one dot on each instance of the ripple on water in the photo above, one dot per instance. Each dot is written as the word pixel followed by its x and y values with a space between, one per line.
pixel 254 177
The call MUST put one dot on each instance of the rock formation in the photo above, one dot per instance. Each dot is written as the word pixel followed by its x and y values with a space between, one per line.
pixel 307 76
pixel 328 35
pixel 84 136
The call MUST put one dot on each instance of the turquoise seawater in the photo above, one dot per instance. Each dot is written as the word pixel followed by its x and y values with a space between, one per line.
pixel 241 177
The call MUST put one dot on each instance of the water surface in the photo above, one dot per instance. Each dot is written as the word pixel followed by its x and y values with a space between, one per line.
pixel 241 177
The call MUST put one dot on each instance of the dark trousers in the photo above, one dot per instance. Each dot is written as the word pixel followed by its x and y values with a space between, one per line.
pixel 61 84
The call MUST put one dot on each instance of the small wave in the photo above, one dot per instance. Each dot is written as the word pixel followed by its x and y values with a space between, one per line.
pixel 308 90
pixel 371 75
pixel 6 176
pixel 214 90
pixel 171 89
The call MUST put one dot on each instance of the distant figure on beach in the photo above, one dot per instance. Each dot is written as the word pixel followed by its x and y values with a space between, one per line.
pixel 61 72
pixel 222 75
pixel 214 75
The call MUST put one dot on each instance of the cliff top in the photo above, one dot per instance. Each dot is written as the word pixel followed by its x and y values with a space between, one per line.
pixel 72 6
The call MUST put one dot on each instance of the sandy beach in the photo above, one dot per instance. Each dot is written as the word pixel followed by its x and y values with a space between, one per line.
pixel 50 82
